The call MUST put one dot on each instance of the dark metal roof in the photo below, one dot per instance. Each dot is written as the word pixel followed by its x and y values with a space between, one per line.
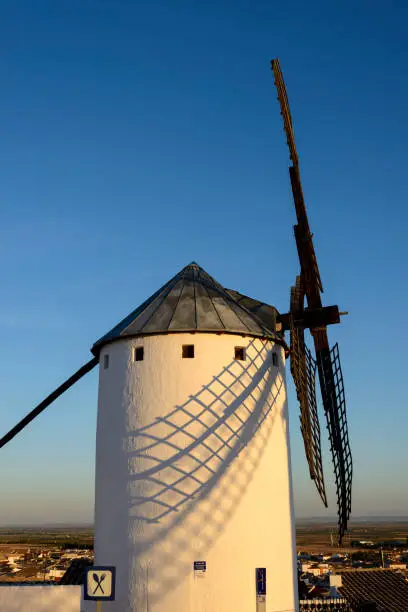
pixel 266 313
pixel 193 301
pixel 76 571
pixel 385 588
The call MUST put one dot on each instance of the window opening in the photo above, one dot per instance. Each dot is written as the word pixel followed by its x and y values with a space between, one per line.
pixel 188 351
pixel 240 353
pixel 139 353
pixel 275 359
pixel 105 362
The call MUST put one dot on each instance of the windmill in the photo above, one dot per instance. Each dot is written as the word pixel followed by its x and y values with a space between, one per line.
pixel 193 496
pixel 303 366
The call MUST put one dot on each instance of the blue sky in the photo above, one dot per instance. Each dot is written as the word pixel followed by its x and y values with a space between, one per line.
pixel 138 136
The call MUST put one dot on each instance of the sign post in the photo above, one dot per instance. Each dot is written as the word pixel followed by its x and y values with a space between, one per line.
pixel 99 584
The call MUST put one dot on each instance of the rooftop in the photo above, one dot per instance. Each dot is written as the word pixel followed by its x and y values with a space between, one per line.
pixel 76 571
pixel 193 301
pixel 386 588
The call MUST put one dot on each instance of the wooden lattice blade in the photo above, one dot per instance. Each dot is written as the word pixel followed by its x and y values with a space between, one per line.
pixel 303 369
pixel 332 386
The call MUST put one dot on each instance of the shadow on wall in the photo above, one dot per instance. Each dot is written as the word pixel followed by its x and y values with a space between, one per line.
pixel 192 467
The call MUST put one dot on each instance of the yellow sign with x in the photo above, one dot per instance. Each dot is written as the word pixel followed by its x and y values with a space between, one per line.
pixel 100 583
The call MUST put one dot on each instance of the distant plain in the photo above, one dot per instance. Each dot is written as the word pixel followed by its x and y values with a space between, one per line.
pixel 311 534
pixel 320 535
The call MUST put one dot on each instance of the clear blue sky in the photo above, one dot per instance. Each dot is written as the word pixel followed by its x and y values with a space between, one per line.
pixel 138 136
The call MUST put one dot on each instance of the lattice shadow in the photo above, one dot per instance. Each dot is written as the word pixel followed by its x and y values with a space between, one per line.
pixel 205 450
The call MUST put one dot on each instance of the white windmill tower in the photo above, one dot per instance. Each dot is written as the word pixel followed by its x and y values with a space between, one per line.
pixel 193 490
pixel 193 503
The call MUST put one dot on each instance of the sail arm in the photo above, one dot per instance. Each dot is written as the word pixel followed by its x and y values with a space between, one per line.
pixel 48 400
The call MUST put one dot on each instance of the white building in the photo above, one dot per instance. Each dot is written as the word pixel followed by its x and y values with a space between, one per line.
pixel 55 573
pixel 39 598
pixel 15 560
pixel 193 498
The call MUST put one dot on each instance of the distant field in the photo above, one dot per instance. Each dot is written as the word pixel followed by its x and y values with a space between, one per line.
pixel 311 536
pixel 314 536
pixel 75 537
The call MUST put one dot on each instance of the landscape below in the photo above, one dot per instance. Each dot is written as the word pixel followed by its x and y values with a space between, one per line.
pixel 32 554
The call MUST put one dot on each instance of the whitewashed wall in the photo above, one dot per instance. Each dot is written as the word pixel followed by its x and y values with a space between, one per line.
pixel 37 598
pixel 193 464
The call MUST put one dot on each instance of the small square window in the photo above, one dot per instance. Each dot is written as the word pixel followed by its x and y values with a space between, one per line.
pixel 275 359
pixel 240 353
pixel 105 362
pixel 188 351
pixel 139 353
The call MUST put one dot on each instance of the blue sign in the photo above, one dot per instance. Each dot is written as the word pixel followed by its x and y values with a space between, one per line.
pixel 200 566
pixel 99 583
pixel 260 574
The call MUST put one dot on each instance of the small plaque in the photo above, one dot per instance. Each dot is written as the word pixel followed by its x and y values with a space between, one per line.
pixel 200 566
pixel 99 583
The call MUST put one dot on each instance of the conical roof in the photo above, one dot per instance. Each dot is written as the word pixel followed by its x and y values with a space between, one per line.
pixel 192 301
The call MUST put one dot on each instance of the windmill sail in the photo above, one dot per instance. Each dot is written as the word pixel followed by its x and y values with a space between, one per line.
pixel 332 386
pixel 48 400
pixel 330 376
pixel 303 369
